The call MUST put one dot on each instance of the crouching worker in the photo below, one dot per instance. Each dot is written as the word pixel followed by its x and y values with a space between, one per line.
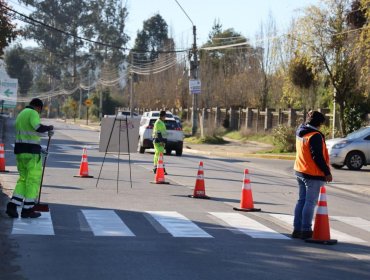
pixel 159 138
pixel 28 156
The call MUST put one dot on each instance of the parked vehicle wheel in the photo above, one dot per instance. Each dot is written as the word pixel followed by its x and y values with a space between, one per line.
pixel 140 149
pixel 179 150
pixel 337 166
pixel 355 160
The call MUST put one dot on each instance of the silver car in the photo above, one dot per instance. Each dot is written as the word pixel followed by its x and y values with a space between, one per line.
pixel 353 150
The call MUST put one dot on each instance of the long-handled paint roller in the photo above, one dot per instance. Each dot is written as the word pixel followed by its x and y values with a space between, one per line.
pixel 43 207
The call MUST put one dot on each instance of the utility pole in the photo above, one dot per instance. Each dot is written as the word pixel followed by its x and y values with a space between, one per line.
pixel 194 74
pixel 334 108
pixel 131 88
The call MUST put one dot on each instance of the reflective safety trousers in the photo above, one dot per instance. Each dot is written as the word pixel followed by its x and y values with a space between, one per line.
pixel 30 171
pixel 158 148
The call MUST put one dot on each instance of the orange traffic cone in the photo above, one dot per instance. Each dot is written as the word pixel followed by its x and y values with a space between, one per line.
pixel 199 189
pixel 84 166
pixel 246 201
pixel 159 174
pixel 2 159
pixel 321 231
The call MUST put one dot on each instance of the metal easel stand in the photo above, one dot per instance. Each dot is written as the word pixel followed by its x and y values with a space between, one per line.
pixel 119 148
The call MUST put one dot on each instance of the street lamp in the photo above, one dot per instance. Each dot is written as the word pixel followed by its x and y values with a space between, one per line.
pixel 194 73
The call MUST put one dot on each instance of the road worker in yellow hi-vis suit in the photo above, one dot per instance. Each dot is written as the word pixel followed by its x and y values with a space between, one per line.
pixel 28 151
pixel 159 138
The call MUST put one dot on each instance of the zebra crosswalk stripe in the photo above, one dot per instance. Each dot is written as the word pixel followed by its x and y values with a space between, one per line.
pixel 248 226
pixel 39 226
pixel 178 225
pixel 354 221
pixel 106 223
pixel 335 234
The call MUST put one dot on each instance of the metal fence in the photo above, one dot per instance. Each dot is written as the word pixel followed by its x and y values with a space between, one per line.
pixel 249 118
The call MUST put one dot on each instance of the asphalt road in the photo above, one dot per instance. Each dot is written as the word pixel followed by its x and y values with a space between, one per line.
pixel 154 231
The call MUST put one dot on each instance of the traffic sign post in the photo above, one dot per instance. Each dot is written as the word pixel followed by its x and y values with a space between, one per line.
pixel 8 91
pixel 195 86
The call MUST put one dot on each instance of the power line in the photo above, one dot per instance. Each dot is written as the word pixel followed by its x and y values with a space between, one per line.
pixel 52 28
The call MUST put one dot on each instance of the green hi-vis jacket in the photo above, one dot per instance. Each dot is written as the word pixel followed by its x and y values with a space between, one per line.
pixel 27 139
pixel 159 131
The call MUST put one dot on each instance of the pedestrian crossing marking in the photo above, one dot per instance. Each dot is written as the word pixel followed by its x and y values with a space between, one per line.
pixel 39 226
pixel 178 225
pixel 354 221
pixel 335 234
pixel 106 223
pixel 248 226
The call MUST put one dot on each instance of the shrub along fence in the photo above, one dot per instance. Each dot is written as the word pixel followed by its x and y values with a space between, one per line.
pixel 249 118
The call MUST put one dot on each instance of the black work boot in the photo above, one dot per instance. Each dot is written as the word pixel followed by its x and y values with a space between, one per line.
pixel 306 234
pixel 296 234
pixel 165 173
pixel 155 170
pixel 11 210
pixel 30 213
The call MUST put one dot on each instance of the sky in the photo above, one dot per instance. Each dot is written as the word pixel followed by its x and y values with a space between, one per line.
pixel 245 16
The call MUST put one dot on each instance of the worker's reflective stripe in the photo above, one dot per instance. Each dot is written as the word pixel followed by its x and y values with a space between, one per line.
pixel 28 141
pixel 322 210
pixel 28 133
pixel 17 199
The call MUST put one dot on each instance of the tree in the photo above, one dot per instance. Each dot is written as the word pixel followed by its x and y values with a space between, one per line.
pixel 226 60
pixel 152 39
pixel 17 67
pixel 267 57
pixel 8 29
pixel 325 38
pixel 106 23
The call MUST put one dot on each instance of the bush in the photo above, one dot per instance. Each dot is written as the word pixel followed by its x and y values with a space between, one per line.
pixel 284 138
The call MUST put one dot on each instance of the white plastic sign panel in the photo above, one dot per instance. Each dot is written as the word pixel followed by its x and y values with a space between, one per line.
pixel 124 132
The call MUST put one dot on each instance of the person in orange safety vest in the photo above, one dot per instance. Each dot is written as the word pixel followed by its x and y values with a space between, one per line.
pixel 312 170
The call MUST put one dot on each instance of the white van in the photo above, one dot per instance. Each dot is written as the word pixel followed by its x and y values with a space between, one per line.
pixel 175 135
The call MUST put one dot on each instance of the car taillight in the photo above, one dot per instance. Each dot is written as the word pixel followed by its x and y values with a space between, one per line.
pixel 149 127
pixel 178 128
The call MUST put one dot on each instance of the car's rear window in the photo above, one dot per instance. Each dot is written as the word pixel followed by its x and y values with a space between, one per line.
pixel 170 124
pixel 157 115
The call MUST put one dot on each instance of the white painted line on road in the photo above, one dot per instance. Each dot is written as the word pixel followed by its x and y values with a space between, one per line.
pixel 106 223
pixel 248 226
pixel 335 234
pixel 178 225
pixel 38 226
pixel 360 256
pixel 354 221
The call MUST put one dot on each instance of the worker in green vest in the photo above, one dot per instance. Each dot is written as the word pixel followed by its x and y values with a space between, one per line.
pixel 27 150
pixel 159 138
